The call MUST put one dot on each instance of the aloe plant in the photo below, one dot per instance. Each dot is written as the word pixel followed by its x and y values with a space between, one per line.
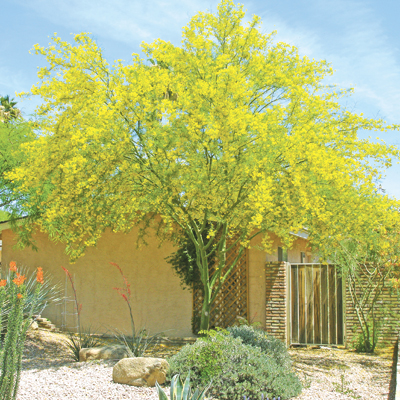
pixel 180 391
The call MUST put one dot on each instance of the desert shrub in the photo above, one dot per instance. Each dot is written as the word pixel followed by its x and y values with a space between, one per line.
pixel 267 343
pixel 235 369
pixel 50 293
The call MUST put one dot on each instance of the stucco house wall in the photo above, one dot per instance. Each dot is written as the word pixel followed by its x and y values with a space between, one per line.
pixel 158 301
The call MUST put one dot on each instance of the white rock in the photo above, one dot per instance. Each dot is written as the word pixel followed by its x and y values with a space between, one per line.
pixel 140 371
pixel 34 326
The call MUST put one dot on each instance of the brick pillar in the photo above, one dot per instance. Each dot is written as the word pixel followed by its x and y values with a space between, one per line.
pixel 276 300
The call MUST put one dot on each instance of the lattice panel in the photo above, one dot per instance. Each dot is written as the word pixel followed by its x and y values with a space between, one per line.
pixel 231 301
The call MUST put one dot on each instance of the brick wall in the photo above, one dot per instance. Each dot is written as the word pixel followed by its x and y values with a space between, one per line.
pixel 276 299
pixel 389 318
pixel 277 308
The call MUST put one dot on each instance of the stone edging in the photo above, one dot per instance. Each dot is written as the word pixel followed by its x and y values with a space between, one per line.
pixel 397 393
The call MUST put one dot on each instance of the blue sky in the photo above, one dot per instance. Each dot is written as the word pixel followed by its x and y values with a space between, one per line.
pixel 361 39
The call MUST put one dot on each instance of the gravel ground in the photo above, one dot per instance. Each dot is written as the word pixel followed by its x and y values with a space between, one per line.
pixel 49 373
pixel 342 374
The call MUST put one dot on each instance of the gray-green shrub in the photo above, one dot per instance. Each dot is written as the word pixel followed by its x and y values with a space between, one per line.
pixel 235 369
pixel 267 343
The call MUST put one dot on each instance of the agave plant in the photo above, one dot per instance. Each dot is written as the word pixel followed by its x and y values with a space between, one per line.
pixel 78 341
pixel 180 391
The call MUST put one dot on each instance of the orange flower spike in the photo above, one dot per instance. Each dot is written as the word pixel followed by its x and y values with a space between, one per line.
pixel 66 272
pixel 3 282
pixel 13 266
pixel 19 295
pixel 19 280
pixel 39 276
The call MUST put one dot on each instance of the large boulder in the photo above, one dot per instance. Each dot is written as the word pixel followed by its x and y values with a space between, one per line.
pixel 140 371
pixel 103 353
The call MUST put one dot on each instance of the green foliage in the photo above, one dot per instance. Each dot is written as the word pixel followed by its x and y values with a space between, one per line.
pixel 8 111
pixel 268 344
pixel 17 326
pixel 367 340
pixel 81 340
pixel 184 263
pixel 243 321
pixel 236 369
pixel 181 391
pixel 12 135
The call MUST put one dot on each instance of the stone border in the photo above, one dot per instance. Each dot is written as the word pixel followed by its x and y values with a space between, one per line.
pixel 397 374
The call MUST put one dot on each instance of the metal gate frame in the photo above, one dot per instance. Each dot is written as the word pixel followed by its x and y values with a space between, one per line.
pixel 325 310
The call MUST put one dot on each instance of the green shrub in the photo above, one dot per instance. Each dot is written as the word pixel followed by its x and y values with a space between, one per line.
pixel 235 369
pixel 267 343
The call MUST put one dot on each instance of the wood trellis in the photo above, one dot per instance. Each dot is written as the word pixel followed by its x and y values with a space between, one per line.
pixel 232 300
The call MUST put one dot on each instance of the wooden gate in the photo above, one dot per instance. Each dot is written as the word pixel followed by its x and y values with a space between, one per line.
pixel 316 305
pixel 232 300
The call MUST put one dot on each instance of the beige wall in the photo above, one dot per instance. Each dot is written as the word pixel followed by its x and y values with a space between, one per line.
pixel 158 301
pixel 257 272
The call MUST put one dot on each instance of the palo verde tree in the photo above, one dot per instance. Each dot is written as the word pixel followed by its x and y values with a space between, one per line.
pixel 229 133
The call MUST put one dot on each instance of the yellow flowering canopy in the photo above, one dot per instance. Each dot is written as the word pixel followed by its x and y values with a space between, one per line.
pixel 229 127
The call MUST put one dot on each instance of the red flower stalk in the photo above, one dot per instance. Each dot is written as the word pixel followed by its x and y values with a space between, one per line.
pixel 39 276
pixel 19 280
pixel 127 284
pixel 126 296
pixel 13 266
pixel 78 306
pixel 123 295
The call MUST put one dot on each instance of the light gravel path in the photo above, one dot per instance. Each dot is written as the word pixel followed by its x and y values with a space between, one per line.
pixel 48 374
pixel 342 374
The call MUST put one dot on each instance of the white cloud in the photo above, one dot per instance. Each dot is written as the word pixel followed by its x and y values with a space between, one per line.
pixel 121 20
pixel 353 40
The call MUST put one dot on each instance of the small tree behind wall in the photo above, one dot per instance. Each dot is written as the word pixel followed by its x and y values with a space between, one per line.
pixel 368 269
